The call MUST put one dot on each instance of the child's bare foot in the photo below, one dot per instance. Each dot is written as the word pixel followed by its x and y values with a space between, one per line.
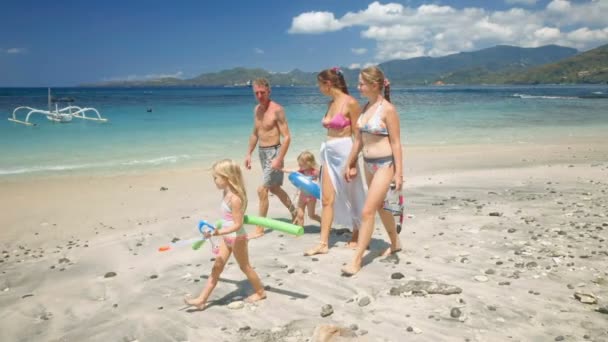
pixel 255 297
pixel 298 221
pixel 350 270
pixel 352 244
pixel 321 248
pixel 194 302
pixel 293 211
pixel 259 232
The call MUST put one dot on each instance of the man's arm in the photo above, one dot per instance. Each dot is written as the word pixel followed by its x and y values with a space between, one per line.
pixel 283 131
pixel 253 140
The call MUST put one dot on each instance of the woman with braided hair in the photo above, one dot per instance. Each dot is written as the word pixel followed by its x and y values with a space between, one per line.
pixel 379 138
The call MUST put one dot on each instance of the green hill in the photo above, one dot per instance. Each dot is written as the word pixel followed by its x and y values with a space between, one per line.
pixel 587 67
pixel 464 67
pixel 497 65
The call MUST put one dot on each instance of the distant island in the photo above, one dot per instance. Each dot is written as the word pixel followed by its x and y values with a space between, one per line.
pixel 501 64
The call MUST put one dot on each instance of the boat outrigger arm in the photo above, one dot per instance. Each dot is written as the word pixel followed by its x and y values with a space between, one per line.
pixel 58 115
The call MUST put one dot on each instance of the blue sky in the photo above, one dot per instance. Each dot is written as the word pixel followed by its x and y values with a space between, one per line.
pixel 65 43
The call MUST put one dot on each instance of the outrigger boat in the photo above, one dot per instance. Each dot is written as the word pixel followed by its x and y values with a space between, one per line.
pixel 62 115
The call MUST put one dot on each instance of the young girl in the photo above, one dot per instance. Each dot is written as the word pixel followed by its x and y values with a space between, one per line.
pixel 228 178
pixel 308 167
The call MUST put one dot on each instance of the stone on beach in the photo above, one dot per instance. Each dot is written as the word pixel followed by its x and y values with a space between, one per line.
pixel 419 287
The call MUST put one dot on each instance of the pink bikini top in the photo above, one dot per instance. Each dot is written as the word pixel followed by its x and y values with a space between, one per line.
pixel 338 121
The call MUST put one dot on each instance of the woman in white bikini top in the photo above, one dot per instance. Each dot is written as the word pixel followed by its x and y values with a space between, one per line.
pixel 380 141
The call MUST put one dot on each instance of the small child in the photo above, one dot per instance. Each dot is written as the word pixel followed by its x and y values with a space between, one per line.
pixel 308 167
pixel 228 178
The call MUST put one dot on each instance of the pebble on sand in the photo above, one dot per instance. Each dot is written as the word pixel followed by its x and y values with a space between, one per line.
pixel 327 310
pixel 236 305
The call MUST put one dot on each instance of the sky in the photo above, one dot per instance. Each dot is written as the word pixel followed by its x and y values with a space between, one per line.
pixel 67 43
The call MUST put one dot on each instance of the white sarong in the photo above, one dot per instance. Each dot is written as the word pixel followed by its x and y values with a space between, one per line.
pixel 350 196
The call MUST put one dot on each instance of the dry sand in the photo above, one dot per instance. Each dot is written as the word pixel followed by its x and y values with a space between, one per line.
pixel 511 240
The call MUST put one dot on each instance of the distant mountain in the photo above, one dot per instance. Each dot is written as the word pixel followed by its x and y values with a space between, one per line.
pixel 236 77
pixel 467 67
pixel 588 67
pixel 499 64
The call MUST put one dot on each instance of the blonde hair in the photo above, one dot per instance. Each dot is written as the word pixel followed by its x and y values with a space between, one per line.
pixel 262 82
pixel 231 171
pixel 372 75
pixel 308 159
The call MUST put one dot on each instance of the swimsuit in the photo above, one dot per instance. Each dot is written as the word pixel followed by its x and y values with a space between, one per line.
pixel 338 121
pixel 271 176
pixel 373 164
pixel 228 220
pixel 375 126
pixel 349 196
pixel 305 197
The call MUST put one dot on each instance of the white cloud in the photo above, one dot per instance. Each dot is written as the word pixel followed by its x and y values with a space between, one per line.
pixel 523 2
pixel 547 33
pixel 358 51
pixel 375 13
pixel 14 51
pixel 584 36
pixel 258 51
pixel 433 30
pixel 361 66
pixel 559 6
pixel 315 22
pixel 591 14
pixel 395 32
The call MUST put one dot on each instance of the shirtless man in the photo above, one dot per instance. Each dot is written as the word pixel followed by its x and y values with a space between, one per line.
pixel 269 124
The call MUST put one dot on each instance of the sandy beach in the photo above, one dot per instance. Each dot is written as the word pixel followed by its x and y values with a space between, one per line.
pixel 501 243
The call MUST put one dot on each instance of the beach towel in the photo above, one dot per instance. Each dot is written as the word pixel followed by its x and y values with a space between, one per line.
pixel 350 196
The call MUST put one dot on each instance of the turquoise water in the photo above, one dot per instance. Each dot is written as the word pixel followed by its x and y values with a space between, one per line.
pixel 196 126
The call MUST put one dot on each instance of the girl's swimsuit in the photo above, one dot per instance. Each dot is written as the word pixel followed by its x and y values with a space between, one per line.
pixel 305 197
pixel 375 126
pixel 228 220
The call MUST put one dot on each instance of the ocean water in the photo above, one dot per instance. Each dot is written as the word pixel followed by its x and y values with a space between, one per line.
pixel 196 126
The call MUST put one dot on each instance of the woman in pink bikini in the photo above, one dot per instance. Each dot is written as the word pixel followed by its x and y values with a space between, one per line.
pixel 341 201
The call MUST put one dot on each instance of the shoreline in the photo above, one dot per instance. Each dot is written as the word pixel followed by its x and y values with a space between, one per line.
pixel 466 150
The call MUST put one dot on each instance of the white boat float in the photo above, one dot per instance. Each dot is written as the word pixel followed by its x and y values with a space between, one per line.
pixel 61 115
